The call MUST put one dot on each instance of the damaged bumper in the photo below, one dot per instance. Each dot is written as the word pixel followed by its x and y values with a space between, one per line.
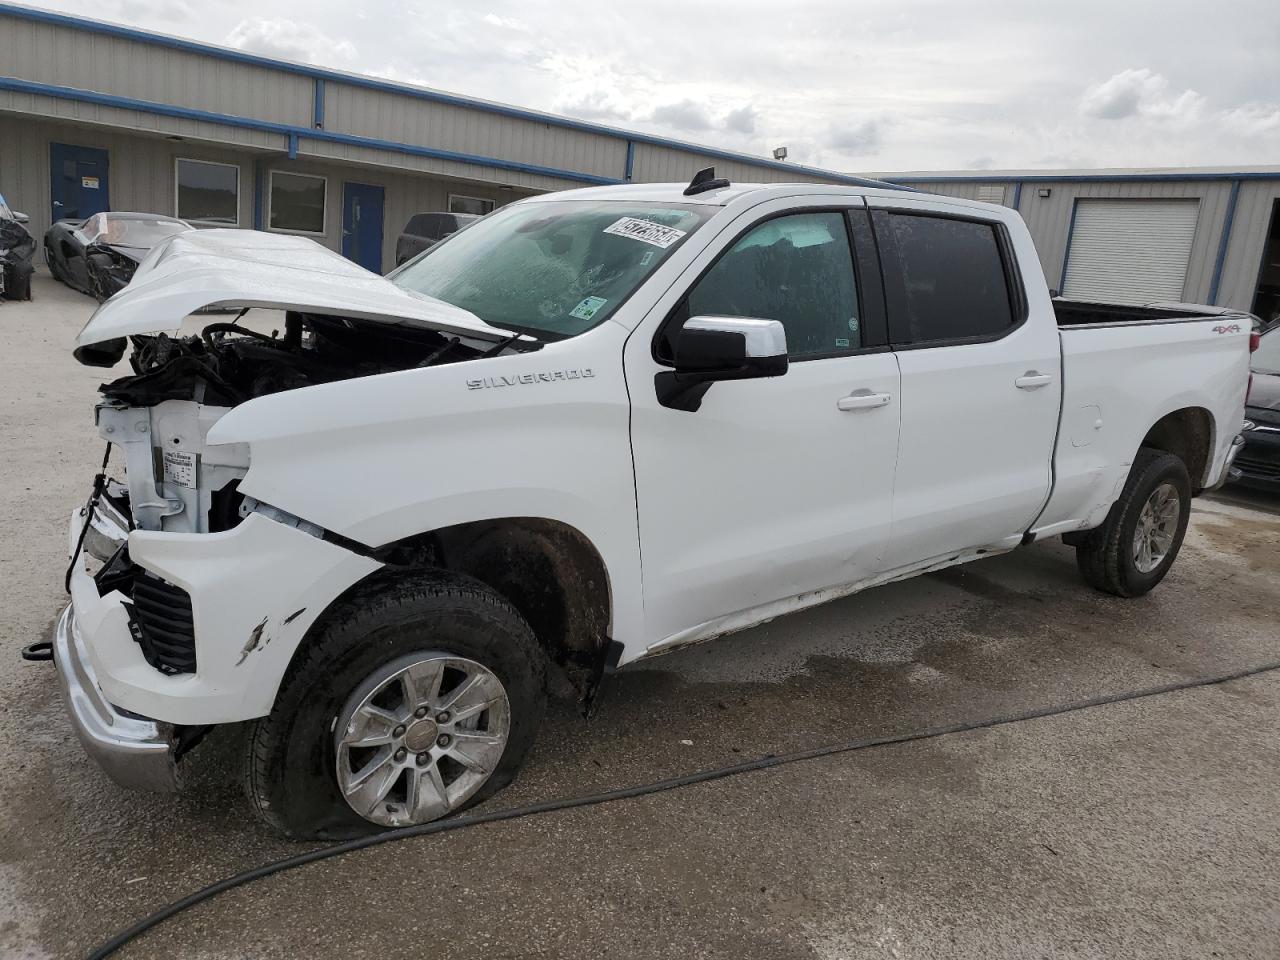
pixel 133 751
pixel 255 590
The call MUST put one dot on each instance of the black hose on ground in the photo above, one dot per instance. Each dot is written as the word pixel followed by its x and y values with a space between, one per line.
pixel 628 793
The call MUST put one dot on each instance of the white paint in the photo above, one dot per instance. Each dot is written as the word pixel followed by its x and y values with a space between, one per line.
pixel 771 498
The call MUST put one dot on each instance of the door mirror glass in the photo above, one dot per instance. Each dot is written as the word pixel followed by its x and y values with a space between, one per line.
pixel 710 349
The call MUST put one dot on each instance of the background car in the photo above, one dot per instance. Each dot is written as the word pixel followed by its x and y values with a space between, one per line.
pixel 98 256
pixel 1258 464
pixel 427 229
pixel 16 248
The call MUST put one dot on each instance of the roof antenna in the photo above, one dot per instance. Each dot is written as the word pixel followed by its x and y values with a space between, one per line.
pixel 704 180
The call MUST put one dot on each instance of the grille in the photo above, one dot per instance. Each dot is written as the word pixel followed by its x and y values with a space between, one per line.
pixel 164 626
pixel 1257 466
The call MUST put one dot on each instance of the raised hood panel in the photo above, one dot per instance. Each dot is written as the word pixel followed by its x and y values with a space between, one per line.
pixel 248 268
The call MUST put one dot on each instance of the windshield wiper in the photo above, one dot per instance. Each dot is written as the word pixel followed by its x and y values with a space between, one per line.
pixel 514 341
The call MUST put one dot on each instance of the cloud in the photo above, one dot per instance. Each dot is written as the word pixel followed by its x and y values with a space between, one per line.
pixel 742 120
pixel 289 40
pixel 594 105
pixel 684 115
pixel 855 139
pixel 1253 119
pixel 1138 93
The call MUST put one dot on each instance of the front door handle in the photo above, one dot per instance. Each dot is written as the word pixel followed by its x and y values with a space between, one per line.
pixel 863 401
pixel 1033 380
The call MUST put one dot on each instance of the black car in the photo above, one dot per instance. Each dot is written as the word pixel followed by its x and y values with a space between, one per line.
pixel 1258 464
pixel 16 248
pixel 98 256
pixel 424 230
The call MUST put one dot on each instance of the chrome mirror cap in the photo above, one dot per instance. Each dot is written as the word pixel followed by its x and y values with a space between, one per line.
pixel 763 338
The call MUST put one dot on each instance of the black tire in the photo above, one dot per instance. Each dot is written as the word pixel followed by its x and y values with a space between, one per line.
pixel 289 765
pixel 1105 556
pixel 52 264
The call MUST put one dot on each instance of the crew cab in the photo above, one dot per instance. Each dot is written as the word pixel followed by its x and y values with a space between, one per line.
pixel 593 427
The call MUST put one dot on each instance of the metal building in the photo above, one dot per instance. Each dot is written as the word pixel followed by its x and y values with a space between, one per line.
pixel 1200 235
pixel 95 116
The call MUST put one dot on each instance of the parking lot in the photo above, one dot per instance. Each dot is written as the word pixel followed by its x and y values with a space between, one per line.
pixel 1146 828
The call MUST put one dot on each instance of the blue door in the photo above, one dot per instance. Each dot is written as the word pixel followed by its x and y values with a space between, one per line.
pixel 362 225
pixel 78 181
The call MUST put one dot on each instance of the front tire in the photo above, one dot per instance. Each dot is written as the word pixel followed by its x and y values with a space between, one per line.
pixel 346 751
pixel 1135 547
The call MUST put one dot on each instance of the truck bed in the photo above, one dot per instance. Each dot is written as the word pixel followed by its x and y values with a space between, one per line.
pixel 1080 313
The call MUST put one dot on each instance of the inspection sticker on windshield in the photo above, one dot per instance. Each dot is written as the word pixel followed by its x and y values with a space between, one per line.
pixel 646 231
pixel 180 468
pixel 587 308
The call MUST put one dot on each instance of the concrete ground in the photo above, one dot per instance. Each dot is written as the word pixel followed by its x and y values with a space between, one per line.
pixel 1144 829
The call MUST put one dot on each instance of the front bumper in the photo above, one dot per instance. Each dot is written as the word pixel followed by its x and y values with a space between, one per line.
pixel 1258 464
pixel 133 751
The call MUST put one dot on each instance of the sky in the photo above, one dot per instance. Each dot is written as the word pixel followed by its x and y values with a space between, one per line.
pixel 853 86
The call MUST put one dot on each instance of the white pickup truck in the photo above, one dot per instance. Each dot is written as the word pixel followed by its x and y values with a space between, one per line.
pixel 593 427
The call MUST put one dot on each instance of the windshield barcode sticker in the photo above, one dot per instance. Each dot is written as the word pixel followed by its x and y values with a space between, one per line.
pixel 646 231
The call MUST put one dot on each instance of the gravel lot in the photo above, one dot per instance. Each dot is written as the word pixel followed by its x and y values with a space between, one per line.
pixel 1148 828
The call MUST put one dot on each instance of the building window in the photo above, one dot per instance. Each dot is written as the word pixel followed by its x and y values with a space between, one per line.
pixel 297 202
pixel 207 192
pixel 474 205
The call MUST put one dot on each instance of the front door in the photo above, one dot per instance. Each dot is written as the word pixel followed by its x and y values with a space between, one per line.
pixel 362 225
pixel 774 491
pixel 78 181
pixel 981 383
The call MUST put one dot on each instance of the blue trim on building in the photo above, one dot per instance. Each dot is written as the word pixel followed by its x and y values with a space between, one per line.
pixel 1066 253
pixel 631 159
pixel 290 132
pixel 1225 242
pixel 418 93
pixel 1017 194
pixel 317 113
pixel 293 146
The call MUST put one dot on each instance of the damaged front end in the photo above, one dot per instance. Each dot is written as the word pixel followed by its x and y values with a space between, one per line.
pixel 188 597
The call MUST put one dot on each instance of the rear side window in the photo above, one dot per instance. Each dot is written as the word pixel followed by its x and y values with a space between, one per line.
pixel 952 282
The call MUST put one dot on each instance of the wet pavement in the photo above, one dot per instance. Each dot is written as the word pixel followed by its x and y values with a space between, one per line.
pixel 1148 828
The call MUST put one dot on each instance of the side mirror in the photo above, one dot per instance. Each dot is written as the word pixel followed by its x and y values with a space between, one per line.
pixel 20 217
pixel 709 349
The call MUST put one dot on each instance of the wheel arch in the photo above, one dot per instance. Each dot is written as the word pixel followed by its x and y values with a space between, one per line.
pixel 1188 433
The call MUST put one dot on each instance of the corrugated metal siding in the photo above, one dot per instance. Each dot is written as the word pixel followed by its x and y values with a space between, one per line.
pixel 47 53
pixel 971 191
pixel 387 116
pixel 141 169
pixel 1254 209
pixel 654 164
pixel 1130 251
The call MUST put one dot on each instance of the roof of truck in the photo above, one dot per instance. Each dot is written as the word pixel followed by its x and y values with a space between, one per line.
pixel 674 192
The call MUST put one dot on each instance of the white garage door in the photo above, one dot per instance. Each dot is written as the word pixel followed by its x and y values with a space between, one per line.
pixel 1130 251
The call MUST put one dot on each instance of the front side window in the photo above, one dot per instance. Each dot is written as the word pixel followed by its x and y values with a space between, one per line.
pixel 297 202
pixel 143 232
pixel 953 284
pixel 208 192
pixel 473 205
pixel 553 268
pixel 796 269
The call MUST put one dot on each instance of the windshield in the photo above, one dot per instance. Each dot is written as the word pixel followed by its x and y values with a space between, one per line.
pixel 555 268
pixel 130 232
pixel 1266 359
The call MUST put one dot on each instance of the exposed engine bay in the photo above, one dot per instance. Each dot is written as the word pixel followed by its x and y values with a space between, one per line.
pixel 228 364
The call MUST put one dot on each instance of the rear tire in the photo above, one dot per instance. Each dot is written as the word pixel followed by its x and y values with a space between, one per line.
pixel 1135 547
pixel 291 764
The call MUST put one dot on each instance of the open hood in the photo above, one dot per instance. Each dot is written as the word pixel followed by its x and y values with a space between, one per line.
pixel 247 268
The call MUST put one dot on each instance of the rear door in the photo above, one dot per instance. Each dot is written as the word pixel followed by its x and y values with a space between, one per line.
pixel 78 181
pixel 776 487
pixel 980 381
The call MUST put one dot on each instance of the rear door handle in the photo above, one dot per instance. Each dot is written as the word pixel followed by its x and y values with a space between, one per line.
pixel 1032 380
pixel 863 401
